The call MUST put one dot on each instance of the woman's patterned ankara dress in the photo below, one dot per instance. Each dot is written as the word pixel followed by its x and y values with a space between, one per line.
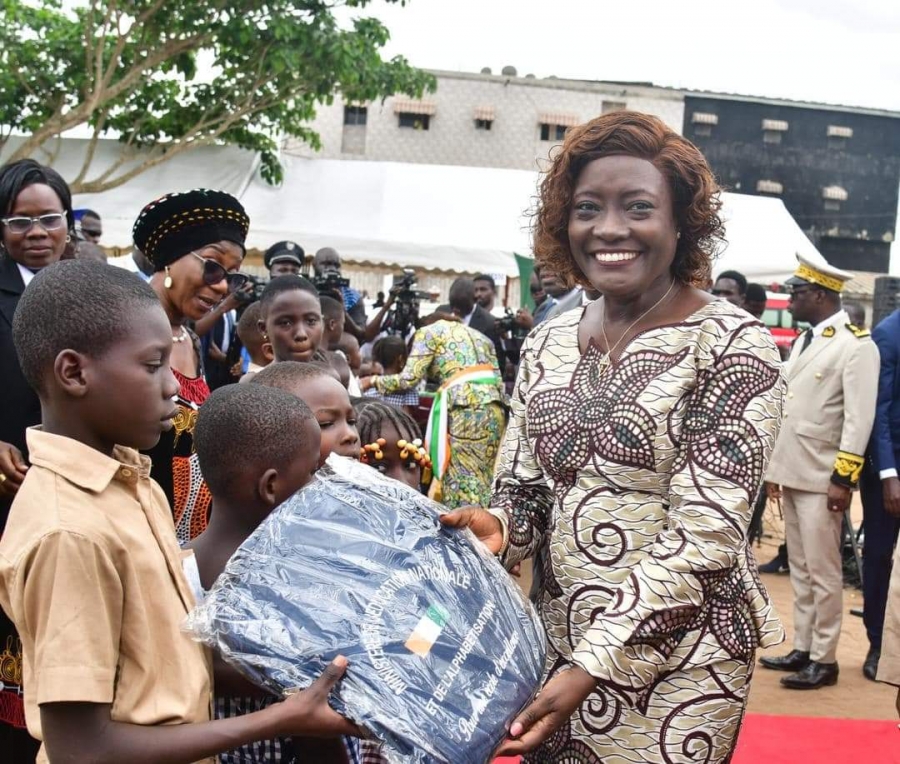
pixel 642 478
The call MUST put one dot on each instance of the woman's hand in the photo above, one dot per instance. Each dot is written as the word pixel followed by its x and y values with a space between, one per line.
pixel 481 522
pixel 12 469
pixel 307 712
pixel 551 709
pixel 366 383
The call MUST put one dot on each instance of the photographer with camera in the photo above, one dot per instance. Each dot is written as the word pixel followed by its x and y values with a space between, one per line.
pixel 399 313
pixel 327 278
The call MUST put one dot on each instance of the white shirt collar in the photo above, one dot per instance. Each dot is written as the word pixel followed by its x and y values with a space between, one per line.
pixel 838 319
pixel 468 318
pixel 27 275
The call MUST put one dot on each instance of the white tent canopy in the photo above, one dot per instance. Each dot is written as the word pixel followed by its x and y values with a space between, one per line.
pixel 763 239
pixel 428 216
pixel 460 219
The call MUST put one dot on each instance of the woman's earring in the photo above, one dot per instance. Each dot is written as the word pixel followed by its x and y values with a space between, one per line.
pixel 168 282
pixel 677 234
pixel 68 238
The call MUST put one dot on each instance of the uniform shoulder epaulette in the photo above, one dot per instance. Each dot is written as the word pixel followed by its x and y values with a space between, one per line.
pixel 859 333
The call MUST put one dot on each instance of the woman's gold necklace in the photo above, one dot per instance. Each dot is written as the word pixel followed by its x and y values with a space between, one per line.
pixel 606 360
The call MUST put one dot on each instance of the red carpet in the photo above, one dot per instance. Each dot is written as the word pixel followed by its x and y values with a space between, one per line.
pixel 799 740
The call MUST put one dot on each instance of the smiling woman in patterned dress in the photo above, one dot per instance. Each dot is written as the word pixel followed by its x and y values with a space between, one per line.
pixel 641 426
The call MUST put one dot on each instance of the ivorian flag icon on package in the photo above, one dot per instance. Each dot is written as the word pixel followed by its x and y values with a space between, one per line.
pixel 444 650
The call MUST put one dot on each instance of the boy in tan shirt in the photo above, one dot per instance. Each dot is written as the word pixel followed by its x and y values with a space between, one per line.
pixel 90 571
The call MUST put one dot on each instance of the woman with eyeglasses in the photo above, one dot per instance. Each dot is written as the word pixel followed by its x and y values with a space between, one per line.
pixel 35 218
pixel 195 241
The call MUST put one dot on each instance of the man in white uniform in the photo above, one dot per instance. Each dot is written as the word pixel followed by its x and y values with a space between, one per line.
pixel 818 458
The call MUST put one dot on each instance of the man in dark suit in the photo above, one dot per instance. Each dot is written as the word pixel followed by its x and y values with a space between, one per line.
pixel 880 489
pixel 462 293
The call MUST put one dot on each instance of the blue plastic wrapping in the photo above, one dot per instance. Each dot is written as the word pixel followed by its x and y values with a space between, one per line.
pixel 444 650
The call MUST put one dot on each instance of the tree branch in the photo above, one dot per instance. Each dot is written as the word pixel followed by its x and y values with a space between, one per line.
pixel 192 139
pixel 53 154
pixel 23 82
pixel 39 137
pixel 108 69
pixel 153 60
pixel 92 147
pixel 59 123
pixel 127 153
pixel 88 43
pixel 98 54
pixel 98 185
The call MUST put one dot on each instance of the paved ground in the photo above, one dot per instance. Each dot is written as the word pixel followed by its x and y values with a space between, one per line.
pixel 853 697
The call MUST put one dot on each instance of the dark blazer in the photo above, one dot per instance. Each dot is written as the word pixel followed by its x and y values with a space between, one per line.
pixel 19 404
pixel 482 321
pixel 884 446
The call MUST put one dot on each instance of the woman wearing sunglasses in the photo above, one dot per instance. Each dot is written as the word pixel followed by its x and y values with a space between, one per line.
pixel 195 241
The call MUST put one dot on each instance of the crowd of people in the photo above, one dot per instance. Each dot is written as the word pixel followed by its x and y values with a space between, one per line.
pixel 159 406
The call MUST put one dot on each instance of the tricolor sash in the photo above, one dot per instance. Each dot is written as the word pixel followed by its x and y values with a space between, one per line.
pixel 437 435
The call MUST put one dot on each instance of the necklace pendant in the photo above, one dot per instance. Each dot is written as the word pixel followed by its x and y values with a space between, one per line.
pixel 605 362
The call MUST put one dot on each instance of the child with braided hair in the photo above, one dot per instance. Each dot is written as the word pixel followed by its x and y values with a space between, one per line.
pixel 392 443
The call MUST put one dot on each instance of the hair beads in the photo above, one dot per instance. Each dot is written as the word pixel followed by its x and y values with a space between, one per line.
pixel 375 449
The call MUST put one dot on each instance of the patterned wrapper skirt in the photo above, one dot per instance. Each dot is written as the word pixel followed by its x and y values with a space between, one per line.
pixel 690 715
pixel 475 435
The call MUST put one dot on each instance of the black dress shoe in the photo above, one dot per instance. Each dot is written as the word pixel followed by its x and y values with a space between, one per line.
pixel 870 667
pixel 778 564
pixel 814 676
pixel 795 660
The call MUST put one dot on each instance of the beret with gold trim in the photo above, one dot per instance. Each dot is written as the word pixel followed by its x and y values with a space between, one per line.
pixel 174 225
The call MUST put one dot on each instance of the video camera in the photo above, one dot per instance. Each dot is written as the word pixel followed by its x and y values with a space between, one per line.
pixel 405 311
pixel 330 283
pixel 245 298
pixel 508 325
pixel 512 336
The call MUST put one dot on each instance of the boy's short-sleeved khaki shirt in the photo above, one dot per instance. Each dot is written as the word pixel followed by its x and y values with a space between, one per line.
pixel 90 572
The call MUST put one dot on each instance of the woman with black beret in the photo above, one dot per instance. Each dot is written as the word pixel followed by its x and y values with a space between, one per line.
pixel 195 241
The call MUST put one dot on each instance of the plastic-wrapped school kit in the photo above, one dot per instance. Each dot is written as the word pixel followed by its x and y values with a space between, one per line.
pixel 444 650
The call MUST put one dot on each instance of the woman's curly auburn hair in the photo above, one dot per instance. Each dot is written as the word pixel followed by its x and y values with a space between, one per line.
pixel 695 192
